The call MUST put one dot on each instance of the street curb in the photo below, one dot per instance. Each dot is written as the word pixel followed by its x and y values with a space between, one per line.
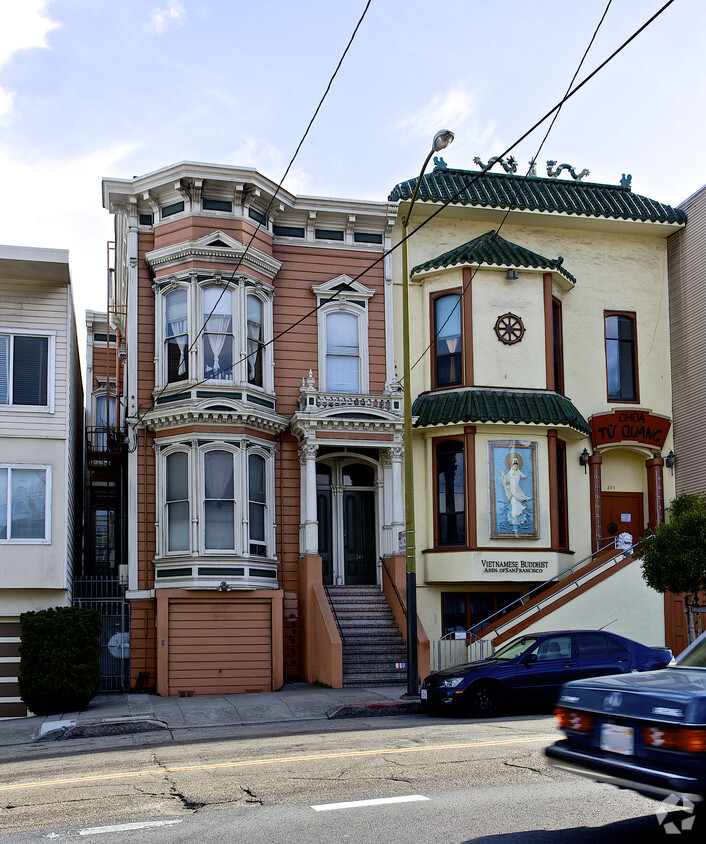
pixel 116 727
pixel 352 710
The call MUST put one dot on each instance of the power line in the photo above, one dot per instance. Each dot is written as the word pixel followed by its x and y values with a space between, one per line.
pixel 241 257
pixel 495 233
pixel 465 186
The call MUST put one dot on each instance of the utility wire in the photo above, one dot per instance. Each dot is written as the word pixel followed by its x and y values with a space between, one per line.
pixel 454 196
pixel 241 257
pixel 496 232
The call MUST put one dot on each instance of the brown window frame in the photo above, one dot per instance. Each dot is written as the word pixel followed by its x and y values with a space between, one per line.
pixel 468 596
pixel 440 441
pixel 632 316
pixel 558 345
pixel 434 297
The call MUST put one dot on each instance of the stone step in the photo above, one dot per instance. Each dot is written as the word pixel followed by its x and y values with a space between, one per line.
pixel 375 678
pixel 368 660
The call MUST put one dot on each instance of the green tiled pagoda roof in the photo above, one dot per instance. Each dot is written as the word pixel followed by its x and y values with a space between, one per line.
pixel 492 249
pixel 532 193
pixel 458 406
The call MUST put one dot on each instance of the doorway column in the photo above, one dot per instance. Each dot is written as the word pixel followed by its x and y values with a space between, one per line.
pixel 309 528
pixel 655 491
pixel 594 462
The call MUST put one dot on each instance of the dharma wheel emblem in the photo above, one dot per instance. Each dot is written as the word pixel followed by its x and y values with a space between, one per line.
pixel 509 329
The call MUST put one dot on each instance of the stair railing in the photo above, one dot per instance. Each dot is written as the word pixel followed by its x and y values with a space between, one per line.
pixel 624 550
pixel 335 614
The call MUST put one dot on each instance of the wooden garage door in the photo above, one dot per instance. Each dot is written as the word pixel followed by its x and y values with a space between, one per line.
pixel 220 647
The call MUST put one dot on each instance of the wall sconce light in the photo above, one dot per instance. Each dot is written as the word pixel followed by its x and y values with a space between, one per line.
pixel 583 459
pixel 670 460
pixel 511 274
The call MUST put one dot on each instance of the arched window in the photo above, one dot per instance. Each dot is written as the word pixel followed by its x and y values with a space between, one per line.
pixel 448 346
pixel 255 340
pixel 257 504
pixel 176 335
pixel 177 501
pixel 342 352
pixel 219 500
pixel 218 334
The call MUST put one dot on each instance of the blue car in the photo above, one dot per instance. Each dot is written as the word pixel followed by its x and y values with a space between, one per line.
pixel 645 732
pixel 534 667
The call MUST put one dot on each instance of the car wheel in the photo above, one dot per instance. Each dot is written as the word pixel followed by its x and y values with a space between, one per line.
pixel 485 698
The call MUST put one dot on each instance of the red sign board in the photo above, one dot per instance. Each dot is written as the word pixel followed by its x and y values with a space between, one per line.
pixel 629 425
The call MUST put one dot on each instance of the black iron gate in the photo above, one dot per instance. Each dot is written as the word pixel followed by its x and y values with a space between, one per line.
pixel 107 595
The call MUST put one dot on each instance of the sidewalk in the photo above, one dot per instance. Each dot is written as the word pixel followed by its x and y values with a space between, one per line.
pixel 123 713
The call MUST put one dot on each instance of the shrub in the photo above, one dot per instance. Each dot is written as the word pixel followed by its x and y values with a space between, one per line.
pixel 59 659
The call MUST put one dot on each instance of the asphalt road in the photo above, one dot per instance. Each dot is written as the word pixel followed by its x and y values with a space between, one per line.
pixel 408 779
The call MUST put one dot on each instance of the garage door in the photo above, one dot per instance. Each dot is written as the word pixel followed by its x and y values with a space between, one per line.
pixel 219 647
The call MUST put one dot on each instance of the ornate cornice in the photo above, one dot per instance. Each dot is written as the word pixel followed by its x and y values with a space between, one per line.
pixel 164 418
pixel 169 256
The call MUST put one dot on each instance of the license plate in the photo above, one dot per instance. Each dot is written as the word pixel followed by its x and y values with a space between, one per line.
pixel 423 694
pixel 617 739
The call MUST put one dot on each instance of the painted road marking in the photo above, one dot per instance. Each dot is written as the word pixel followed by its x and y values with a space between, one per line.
pixel 125 827
pixel 161 769
pixel 380 801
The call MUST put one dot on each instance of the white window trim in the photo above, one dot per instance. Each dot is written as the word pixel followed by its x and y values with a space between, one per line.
pixel 51 372
pixel 255 449
pixel 47 504
pixel 363 356
pixel 238 511
pixel 163 521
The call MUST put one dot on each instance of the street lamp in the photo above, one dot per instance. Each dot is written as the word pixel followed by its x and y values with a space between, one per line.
pixel 441 140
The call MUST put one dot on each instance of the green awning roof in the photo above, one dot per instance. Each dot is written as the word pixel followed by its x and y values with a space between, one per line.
pixel 493 250
pixel 469 406
pixel 532 193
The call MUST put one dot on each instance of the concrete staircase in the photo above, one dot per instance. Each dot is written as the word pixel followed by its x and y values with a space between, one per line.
pixel 373 648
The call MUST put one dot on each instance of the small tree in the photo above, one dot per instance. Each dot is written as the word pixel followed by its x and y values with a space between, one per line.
pixel 674 557
pixel 59 659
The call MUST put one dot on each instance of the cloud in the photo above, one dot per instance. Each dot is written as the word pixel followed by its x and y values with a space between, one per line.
pixel 162 18
pixel 24 26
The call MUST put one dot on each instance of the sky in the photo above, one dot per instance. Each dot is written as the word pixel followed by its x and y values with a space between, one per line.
pixel 91 89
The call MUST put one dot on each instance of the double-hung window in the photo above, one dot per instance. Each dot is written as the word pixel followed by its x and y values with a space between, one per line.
pixel 24 370
pixel 621 356
pixel 25 504
pixel 218 334
pixel 342 352
pixel 176 335
pixel 219 501
pixel 177 502
pixel 450 493
pixel 448 341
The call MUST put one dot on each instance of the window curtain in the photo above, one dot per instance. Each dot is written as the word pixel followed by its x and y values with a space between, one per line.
pixel 219 504
pixel 4 368
pixel 342 353
pixel 28 503
pixel 178 502
pixel 254 339
pixel 219 328
pixel 177 325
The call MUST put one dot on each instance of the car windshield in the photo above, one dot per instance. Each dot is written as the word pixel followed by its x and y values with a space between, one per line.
pixel 515 648
pixel 695 657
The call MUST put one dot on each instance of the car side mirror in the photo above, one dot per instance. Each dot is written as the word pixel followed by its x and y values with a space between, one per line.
pixel 529 659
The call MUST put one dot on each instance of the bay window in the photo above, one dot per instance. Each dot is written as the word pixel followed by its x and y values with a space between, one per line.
pixel 225 487
pixel 215 331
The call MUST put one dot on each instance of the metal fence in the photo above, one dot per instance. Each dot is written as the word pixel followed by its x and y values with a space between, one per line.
pixel 450 651
pixel 107 595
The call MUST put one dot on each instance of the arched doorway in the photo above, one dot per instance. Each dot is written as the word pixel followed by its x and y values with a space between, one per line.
pixel 346 512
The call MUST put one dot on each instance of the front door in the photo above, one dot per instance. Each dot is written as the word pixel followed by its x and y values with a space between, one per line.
pixel 622 513
pixel 346 512
pixel 359 537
